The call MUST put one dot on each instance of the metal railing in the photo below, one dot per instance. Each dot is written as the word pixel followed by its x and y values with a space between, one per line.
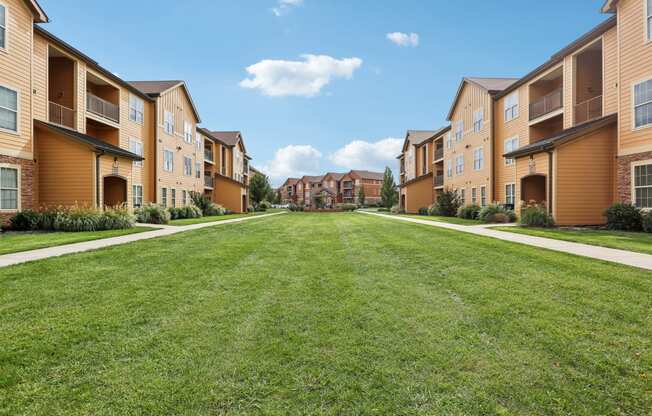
pixel 588 110
pixel 61 115
pixel 208 181
pixel 208 154
pixel 439 180
pixel 102 108
pixel 546 104
pixel 439 153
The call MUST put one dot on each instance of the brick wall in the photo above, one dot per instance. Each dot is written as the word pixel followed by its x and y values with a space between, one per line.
pixel 624 180
pixel 26 182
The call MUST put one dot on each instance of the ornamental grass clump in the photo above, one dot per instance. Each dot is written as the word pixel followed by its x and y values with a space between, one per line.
pixel 152 214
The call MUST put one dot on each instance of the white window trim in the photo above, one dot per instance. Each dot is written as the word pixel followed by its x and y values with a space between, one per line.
pixel 187 129
pixel 479 120
pixel 142 197
pixel 633 183
pixel 634 84
pixel 474 196
pixel 648 18
pixel 6 47
pixel 512 161
pixel 459 172
pixel 481 159
pixel 165 151
pixel 518 105
pixel 137 163
pixel 513 194
pixel 165 122
pixel 185 173
pixel 130 108
pixel 483 195
pixel 18 190
pixel 17 91
pixel 458 130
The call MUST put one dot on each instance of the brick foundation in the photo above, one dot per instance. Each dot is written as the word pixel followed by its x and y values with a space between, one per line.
pixel 26 182
pixel 624 179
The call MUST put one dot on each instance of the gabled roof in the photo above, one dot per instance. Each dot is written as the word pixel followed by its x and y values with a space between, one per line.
pixel 37 11
pixel 311 179
pixel 418 137
pixel 289 182
pixel 97 144
pixel 366 174
pixel 230 138
pixel 155 89
pixel 563 137
pixel 609 6
pixel 558 57
pixel 89 61
pixel 336 176
pixel 491 85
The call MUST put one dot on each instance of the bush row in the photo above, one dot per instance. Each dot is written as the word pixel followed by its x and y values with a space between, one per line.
pixel 72 219
pixel 627 217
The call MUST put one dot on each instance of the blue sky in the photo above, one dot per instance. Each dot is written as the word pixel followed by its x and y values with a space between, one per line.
pixel 302 114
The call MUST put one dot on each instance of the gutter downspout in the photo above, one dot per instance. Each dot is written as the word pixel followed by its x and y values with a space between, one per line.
pixel 155 158
pixel 492 145
pixel 550 182
pixel 97 178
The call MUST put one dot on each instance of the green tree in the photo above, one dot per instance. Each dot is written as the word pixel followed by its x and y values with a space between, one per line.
pixel 259 188
pixel 388 193
pixel 361 196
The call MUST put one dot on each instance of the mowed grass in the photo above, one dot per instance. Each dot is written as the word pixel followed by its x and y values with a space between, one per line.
pixel 14 242
pixel 450 220
pixel 325 314
pixel 623 240
pixel 202 220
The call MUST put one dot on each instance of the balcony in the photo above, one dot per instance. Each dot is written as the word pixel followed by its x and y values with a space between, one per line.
pixel 546 104
pixel 208 181
pixel 439 180
pixel 208 155
pixel 588 110
pixel 63 116
pixel 347 185
pixel 102 108
pixel 439 153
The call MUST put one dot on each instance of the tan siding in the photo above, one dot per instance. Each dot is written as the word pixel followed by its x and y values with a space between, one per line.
pixel 124 171
pixel 569 81
pixel 40 78
pixel 584 178
pixel 610 59
pixel 419 194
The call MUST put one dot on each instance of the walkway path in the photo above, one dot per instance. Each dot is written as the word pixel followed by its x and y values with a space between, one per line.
pixel 162 231
pixel 629 258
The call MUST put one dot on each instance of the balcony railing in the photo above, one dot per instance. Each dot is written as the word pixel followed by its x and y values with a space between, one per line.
pixel 61 115
pixel 439 180
pixel 208 181
pixel 546 104
pixel 208 155
pixel 588 110
pixel 439 153
pixel 102 108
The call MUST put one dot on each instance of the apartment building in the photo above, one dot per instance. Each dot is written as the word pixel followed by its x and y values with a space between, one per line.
pixel 289 191
pixel 421 168
pixel 355 180
pixel 332 188
pixel 309 189
pixel 226 169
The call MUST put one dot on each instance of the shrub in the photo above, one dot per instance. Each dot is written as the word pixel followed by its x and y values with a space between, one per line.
pixel 536 215
pixel 494 213
pixel 624 217
pixel 265 205
pixel 117 218
pixel 383 209
pixel 469 212
pixel 646 221
pixel 26 220
pixel 152 214
pixel 447 204
pixel 182 213
pixel 214 210
pixel 347 207
pixel 424 211
pixel 395 209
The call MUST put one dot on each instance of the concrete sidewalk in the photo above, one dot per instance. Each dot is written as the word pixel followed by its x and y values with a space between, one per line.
pixel 162 231
pixel 628 258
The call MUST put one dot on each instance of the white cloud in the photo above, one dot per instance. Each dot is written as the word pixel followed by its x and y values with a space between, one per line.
pixel 360 154
pixel 404 39
pixel 306 78
pixel 284 6
pixel 293 161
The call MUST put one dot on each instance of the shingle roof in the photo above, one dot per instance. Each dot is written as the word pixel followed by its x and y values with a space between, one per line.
pixel 419 136
pixel 337 176
pixel 155 88
pixel 312 179
pixel 366 174
pixel 563 136
pixel 491 85
pixel 229 138
pixel 95 143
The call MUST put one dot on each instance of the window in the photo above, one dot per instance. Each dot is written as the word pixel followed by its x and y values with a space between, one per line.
pixel 478 119
pixel 137 195
pixel 478 159
pixel 462 197
pixel 449 140
pixel 459 165
pixel 168 160
pixel 510 146
pixel 136 147
pixel 199 141
pixel 642 186
pixel 8 109
pixel 474 196
pixel 187 132
pixel 136 109
pixel 173 197
pixel 164 197
pixel 168 122
pixel 649 19
pixel 184 196
pixel 511 106
pixel 459 130
pixel 642 103
pixel 198 169
pixel 3 27
pixel 449 168
pixel 510 194
pixel 187 166
pixel 483 196
pixel 8 188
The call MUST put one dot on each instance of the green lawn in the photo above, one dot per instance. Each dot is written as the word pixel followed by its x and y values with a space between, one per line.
pixel 190 221
pixel 15 242
pixel 324 314
pixel 450 220
pixel 640 242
